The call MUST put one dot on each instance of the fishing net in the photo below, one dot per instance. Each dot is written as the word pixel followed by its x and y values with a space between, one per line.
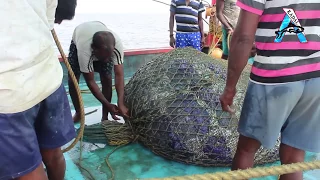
pixel 176 112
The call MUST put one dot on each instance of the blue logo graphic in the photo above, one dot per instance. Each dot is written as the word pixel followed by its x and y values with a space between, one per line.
pixel 290 24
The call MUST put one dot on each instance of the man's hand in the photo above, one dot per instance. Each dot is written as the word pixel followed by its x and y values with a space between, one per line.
pixel 172 42
pixel 226 100
pixel 203 40
pixel 230 31
pixel 114 110
pixel 123 111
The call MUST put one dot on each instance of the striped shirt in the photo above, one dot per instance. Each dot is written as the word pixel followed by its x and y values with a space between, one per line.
pixel 290 60
pixel 187 16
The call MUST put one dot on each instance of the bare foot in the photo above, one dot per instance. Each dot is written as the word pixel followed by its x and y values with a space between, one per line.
pixel 76 118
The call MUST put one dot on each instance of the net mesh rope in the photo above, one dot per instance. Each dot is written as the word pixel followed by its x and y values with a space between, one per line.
pixel 176 112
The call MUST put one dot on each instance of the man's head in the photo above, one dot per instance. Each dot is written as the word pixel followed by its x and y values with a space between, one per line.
pixel 103 43
pixel 65 10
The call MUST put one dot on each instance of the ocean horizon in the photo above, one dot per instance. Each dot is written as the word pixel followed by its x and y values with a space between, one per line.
pixel 136 30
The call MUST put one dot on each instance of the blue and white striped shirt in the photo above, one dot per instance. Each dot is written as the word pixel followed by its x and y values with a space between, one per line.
pixel 187 16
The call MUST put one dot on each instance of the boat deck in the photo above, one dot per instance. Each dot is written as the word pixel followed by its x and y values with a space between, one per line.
pixel 133 161
pixel 137 162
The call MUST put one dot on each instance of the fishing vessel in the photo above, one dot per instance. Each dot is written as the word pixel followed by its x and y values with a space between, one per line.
pixel 133 161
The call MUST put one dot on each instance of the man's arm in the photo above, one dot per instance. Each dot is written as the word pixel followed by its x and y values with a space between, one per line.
pixel 119 83
pixel 171 23
pixel 241 45
pixel 200 20
pixel 171 18
pixel 220 16
pixel 94 88
pixel 51 11
pixel 201 24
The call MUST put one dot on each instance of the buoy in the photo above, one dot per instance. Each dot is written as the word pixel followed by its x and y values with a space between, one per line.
pixel 216 53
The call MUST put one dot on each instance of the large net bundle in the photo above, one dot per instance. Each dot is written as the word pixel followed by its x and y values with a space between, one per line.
pixel 176 112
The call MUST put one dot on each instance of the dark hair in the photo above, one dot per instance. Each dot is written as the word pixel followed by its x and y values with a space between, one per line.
pixel 65 9
pixel 102 39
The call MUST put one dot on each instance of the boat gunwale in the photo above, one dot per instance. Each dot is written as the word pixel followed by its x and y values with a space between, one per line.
pixel 143 51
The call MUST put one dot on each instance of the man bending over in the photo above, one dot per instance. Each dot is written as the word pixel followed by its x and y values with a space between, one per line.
pixel 95 48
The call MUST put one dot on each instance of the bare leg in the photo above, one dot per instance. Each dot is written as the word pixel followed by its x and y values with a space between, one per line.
pixel 37 174
pixel 106 82
pixel 74 98
pixel 55 163
pixel 290 155
pixel 244 157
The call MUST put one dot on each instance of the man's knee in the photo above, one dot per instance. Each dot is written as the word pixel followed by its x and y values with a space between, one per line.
pixel 248 145
pixel 52 157
pixel 290 154
pixel 37 174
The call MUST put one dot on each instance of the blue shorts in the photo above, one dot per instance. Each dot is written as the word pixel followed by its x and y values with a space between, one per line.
pixel 192 39
pixel 290 109
pixel 47 125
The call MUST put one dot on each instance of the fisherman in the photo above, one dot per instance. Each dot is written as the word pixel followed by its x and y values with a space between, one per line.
pixel 95 48
pixel 35 116
pixel 283 93
pixel 227 13
pixel 188 15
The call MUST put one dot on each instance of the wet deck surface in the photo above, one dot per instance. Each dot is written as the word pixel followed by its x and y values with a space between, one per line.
pixel 137 162
pixel 134 161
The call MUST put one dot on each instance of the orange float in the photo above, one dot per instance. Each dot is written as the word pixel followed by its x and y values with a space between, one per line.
pixel 216 53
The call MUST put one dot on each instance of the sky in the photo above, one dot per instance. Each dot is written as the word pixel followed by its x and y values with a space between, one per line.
pixel 122 6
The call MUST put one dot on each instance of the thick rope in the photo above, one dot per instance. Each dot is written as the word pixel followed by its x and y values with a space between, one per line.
pixel 119 136
pixel 213 46
pixel 251 173
pixel 75 82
